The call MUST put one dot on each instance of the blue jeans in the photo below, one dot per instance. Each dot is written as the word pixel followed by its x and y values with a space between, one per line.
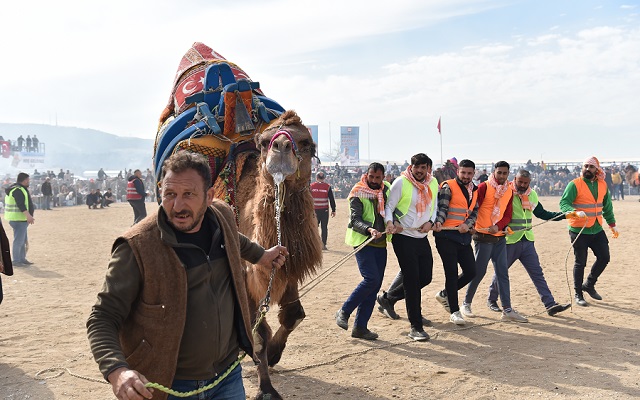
pixel 525 251
pixel 372 262
pixel 497 253
pixel 19 240
pixel 230 388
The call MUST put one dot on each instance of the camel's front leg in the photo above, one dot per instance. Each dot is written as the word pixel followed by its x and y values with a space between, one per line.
pixel 261 343
pixel 290 315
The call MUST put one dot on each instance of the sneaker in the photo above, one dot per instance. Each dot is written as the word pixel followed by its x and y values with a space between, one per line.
pixel 512 315
pixel 324 247
pixel 493 306
pixel 580 300
pixel 417 335
pixel 457 319
pixel 557 308
pixel 442 299
pixel 386 307
pixel 342 320
pixel 26 262
pixel 591 290
pixel 466 311
pixel 363 333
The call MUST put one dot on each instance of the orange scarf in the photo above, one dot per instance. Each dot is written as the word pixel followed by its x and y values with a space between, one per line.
pixel 500 191
pixel 524 197
pixel 424 191
pixel 363 191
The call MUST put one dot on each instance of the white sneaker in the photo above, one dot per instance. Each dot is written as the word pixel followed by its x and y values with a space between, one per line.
pixel 513 315
pixel 443 300
pixel 466 311
pixel 457 319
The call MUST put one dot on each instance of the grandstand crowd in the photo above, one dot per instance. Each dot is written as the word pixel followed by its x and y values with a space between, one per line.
pixel 547 179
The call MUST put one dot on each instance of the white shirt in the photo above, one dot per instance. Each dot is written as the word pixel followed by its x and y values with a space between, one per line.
pixel 410 220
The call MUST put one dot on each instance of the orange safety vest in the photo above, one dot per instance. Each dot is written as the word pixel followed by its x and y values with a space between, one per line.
pixel 132 193
pixel 459 207
pixel 584 201
pixel 484 212
pixel 320 194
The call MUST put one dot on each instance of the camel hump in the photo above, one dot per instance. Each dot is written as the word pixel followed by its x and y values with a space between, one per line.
pixel 214 109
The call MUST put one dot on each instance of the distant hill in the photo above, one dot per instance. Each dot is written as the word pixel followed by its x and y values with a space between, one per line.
pixel 78 149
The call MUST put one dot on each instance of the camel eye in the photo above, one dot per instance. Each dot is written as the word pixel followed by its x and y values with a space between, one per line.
pixel 264 143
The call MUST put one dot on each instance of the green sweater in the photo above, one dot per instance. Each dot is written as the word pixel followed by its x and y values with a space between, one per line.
pixel 569 195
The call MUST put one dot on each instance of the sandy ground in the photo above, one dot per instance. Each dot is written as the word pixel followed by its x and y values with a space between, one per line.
pixel 588 352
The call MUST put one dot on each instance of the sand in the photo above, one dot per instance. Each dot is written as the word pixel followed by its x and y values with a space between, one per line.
pixel 587 352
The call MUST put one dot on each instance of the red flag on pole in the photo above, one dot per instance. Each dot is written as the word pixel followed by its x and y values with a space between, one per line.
pixel 439 131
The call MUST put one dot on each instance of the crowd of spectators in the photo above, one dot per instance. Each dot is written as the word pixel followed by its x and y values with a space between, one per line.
pixel 546 179
pixel 70 190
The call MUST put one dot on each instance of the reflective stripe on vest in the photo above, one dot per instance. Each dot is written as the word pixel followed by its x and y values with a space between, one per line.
pixel 521 219
pixel 320 194
pixel 132 193
pixel 11 210
pixel 585 201
pixel 486 208
pixel 407 194
pixel 458 210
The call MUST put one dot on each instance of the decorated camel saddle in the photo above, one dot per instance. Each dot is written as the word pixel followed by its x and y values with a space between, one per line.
pixel 214 109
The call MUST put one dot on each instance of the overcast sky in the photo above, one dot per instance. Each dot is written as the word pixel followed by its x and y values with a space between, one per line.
pixel 515 80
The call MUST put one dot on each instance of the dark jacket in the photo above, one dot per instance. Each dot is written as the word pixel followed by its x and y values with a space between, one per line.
pixel 6 267
pixel 46 189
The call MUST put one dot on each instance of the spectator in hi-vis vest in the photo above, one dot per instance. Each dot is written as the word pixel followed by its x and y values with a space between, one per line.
pixel 322 199
pixel 136 195
pixel 19 212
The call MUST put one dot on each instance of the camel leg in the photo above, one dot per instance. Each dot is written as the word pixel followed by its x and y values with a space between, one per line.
pixel 290 316
pixel 266 390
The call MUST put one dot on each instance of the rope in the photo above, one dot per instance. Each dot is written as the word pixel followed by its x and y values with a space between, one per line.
pixel 200 390
pixel 325 274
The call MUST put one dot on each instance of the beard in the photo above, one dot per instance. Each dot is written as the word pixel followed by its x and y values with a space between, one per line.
pixel 374 186
pixel 588 174
pixel 195 220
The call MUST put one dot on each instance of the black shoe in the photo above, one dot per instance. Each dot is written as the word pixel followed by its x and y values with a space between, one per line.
pixel 324 247
pixel 580 300
pixel 591 290
pixel 558 308
pixel 342 320
pixel 493 306
pixel 363 333
pixel 26 262
pixel 426 322
pixel 418 335
pixel 386 307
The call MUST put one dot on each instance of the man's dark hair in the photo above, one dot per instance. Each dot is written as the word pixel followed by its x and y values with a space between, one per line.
pixel 136 171
pixel 420 159
pixel 500 164
pixel 524 173
pixel 185 160
pixel 467 164
pixel 22 176
pixel 376 166
pixel 320 175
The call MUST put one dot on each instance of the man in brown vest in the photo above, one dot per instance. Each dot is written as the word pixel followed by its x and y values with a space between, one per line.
pixel 173 308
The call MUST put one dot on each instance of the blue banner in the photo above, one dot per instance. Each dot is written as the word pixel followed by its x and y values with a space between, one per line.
pixel 349 145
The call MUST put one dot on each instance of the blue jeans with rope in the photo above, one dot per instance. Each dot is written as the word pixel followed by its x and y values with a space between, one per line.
pixel 230 388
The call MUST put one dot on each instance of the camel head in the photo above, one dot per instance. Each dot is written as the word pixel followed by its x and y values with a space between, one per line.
pixel 287 147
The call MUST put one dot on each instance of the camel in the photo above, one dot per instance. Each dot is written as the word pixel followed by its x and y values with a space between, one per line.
pixel 254 139
pixel 288 153
pixel 631 176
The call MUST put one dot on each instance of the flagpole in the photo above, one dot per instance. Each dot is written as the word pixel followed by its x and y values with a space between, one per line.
pixel 440 133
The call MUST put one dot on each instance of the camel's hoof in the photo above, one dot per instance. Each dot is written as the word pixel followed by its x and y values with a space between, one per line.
pixel 268 396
